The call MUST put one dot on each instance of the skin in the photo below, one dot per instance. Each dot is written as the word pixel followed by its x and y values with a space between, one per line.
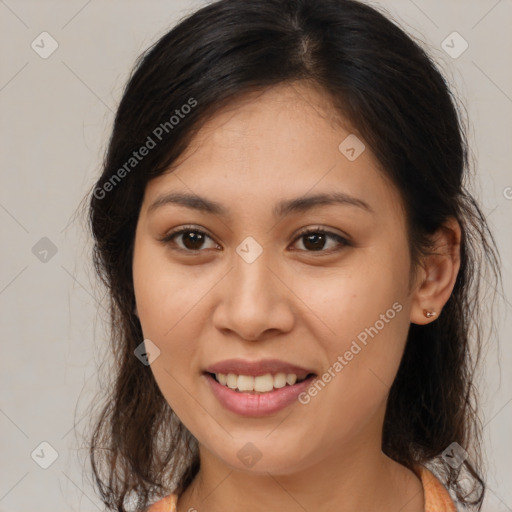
pixel 292 303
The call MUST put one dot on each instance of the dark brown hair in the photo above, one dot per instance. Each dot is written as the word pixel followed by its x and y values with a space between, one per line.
pixel 393 95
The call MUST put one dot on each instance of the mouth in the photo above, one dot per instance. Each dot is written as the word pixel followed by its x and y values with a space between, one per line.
pixel 259 384
pixel 259 395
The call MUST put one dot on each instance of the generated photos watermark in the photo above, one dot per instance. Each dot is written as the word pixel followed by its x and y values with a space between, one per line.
pixel 151 142
pixel 320 382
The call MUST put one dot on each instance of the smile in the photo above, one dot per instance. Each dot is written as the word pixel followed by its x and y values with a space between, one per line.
pixel 254 403
pixel 260 384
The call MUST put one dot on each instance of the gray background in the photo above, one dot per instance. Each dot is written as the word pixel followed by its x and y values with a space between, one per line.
pixel 56 115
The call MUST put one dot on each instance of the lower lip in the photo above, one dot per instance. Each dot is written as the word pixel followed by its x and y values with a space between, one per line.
pixel 260 404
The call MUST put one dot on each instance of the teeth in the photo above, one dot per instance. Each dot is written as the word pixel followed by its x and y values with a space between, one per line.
pixel 291 379
pixel 261 383
pixel 280 380
pixel 245 383
pixel 232 381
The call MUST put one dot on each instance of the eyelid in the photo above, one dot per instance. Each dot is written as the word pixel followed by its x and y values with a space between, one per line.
pixel 321 229
pixel 183 229
pixel 343 240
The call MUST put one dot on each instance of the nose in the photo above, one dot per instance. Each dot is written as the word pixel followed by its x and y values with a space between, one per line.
pixel 255 300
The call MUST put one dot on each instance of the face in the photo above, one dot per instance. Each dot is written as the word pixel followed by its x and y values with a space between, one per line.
pixel 244 282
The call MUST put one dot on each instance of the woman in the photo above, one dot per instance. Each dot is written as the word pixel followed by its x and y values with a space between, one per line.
pixel 293 263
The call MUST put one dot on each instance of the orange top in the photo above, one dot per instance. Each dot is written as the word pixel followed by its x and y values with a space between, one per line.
pixel 437 498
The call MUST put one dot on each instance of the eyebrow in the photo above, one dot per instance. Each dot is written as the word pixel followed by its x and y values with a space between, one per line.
pixel 281 209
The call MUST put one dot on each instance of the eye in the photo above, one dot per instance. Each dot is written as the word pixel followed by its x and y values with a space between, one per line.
pixel 315 239
pixel 192 242
pixel 193 239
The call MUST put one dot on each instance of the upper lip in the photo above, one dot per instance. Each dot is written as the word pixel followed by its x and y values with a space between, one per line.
pixel 255 368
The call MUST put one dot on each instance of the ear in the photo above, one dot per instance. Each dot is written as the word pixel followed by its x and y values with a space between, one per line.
pixel 438 273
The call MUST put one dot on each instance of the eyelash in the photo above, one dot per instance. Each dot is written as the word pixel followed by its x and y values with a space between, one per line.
pixel 187 229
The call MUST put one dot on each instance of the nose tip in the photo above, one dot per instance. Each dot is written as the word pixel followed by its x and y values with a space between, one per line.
pixel 253 302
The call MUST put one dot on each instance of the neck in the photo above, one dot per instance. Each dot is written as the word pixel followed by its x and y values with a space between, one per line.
pixel 358 479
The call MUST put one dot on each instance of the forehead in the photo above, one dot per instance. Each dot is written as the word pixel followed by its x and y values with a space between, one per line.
pixel 281 142
pixel 283 120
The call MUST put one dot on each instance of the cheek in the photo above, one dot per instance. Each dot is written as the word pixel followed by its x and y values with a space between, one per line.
pixel 165 293
pixel 367 311
pixel 352 296
pixel 367 322
pixel 167 297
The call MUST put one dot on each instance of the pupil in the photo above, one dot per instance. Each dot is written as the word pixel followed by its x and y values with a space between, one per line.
pixel 189 240
pixel 317 236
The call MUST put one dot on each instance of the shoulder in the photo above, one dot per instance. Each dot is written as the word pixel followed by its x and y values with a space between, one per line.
pixel 437 498
pixel 166 504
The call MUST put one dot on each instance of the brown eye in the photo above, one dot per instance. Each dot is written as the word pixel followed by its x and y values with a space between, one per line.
pixel 315 240
pixel 192 239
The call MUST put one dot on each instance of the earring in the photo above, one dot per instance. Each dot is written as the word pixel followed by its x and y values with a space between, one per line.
pixel 429 314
